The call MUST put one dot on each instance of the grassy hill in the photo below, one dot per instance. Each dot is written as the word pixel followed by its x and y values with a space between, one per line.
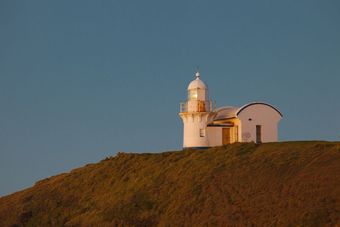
pixel 274 184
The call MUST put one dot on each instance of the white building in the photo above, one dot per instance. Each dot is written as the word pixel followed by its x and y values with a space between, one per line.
pixel 206 126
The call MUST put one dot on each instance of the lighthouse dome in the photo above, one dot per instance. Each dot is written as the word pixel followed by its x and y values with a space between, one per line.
pixel 197 83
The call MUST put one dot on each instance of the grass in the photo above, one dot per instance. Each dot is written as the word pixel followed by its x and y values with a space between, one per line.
pixel 273 184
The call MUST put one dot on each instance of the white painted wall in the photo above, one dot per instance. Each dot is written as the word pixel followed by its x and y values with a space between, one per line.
pixel 263 115
pixel 192 123
pixel 214 136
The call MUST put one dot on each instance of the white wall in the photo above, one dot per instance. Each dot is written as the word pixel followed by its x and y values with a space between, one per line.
pixel 214 136
pixel 263 115
pixel 192 123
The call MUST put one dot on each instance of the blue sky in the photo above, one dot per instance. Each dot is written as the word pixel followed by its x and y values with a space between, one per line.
pixel 82 80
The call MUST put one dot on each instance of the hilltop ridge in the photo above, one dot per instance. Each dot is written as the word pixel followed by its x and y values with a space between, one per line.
pixel 273 184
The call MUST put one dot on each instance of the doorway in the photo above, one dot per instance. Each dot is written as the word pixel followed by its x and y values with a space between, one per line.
pixel 226 136
pixel 258 134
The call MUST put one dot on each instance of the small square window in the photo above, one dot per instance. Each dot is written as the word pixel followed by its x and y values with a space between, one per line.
pixel 202 132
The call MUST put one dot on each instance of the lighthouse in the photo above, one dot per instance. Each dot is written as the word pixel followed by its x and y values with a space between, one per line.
pixel 207 126
pixel 194 113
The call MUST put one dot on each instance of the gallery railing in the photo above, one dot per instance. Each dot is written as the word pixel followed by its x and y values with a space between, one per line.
pixel 197 106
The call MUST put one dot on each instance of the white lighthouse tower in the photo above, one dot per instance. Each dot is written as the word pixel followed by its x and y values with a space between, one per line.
pixel 194 113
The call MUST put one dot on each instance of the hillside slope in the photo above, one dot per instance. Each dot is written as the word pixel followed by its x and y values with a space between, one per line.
pixel 277 184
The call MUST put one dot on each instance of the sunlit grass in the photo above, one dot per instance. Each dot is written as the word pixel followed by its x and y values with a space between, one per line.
pixel 290 183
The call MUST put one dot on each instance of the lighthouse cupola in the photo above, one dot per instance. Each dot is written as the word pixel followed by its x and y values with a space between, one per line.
pixel 197 89
pixel 198 98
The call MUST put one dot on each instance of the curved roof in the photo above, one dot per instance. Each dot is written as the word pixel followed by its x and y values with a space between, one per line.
pixel 257 103
pixel 227 112
pixel 197 83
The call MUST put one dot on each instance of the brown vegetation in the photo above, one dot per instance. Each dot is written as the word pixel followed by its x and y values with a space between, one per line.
pixel 274 184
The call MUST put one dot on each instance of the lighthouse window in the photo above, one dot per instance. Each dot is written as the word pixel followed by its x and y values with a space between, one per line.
pixel 202 132
pixel 192 94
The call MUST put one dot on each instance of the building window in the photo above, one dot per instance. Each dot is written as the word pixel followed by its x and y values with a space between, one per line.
pixel 202 132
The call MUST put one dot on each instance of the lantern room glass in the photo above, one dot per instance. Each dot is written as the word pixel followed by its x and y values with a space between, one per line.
pixel 192 94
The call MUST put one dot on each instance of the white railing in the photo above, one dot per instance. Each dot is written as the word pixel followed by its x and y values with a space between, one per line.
pixel 200 106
